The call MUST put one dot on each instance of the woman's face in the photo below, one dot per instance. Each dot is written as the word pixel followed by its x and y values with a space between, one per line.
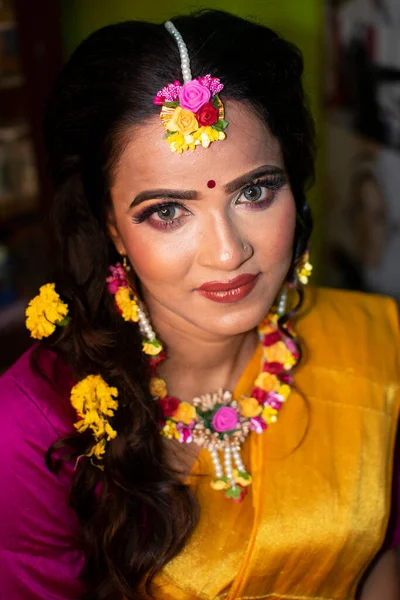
pixel 205 216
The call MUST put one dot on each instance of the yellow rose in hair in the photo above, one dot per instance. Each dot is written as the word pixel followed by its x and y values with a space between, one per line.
pixel 250 407
pixel 183 121
pixel 185 413
pixel 267 382
pixel 158 387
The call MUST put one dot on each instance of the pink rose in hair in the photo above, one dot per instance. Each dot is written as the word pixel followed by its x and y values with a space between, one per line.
pixel 193 95
pixel 225 419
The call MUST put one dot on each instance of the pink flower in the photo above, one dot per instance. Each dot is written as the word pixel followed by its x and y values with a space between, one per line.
pixel 169 93
pixel 258 424
pixel 117 278
pixel 273 400
pixel 213 83
pixel 193 95
pixel 225 419
pixel 185 432
pixel 291 346
pixel 159 100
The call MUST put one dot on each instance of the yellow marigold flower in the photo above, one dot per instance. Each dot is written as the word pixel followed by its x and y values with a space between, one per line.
pixel 127 305
pixel 185 413
pixel 284 391
pixel 158 387
pixel 250 407
pixel 243 479
pixel 45 312
pixel 151 348
pixel 220 484
pixel 269 414
pixel 182 121
pixel 170 431
pixel 98 449
pixel 94 401
pixel 267 382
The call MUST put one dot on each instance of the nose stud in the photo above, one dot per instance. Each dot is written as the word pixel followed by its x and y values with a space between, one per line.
pixel 245 248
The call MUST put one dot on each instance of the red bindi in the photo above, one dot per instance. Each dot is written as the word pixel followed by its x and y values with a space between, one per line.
pixel 211 183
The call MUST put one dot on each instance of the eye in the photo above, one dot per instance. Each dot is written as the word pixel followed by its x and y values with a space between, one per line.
pixel 253 192
pixel 167 213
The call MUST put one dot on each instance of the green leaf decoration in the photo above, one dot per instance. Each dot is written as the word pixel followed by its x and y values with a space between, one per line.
pixel 234 492
pixel 63 322
pixel 216 99
pixel 244 475
pixel 171 104
pixel 220 125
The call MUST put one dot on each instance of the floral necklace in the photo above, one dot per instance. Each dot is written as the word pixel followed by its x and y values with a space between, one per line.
pixel 219 422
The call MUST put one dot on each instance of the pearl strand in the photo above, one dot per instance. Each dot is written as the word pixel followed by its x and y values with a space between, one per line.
pixel 228 465
pixel 281 308
pixel 238 460
pixel 186 72
pixel 144 325
pixel 216 462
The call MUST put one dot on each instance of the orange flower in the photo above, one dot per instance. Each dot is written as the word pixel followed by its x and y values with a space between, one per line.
pixel 249 407
pixel 158 387
pixel 185 413
pixel 267 382
pixel 183 121
pixel 279 353
pixel 268 324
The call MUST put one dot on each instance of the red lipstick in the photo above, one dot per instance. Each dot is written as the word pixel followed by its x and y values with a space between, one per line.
pixel 229 291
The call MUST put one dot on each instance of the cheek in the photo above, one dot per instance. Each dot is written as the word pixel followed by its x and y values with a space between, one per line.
pixel 273 240
pixel 158 258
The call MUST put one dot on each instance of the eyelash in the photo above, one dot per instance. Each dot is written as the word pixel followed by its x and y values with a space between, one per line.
pixel 271 183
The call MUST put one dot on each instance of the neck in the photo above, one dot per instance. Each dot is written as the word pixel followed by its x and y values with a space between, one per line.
pixel 199 362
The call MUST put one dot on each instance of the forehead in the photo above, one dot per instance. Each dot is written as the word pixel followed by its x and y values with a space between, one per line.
pixel 147 160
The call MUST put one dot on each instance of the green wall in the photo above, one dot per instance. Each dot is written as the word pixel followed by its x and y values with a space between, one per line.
pixel 299 21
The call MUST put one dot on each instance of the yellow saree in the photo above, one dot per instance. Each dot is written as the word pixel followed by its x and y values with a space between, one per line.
pixel 318 508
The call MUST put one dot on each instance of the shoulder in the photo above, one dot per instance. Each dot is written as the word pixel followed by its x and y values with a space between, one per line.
pixel 351 331
pixel 37 386
pixel 39 532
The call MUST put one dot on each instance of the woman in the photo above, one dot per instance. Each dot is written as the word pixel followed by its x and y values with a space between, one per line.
pixel 202 242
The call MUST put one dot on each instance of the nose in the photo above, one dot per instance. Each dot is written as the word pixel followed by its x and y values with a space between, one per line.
pixel 222 245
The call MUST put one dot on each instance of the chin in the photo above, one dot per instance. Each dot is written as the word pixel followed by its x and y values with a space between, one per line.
pixel 236 320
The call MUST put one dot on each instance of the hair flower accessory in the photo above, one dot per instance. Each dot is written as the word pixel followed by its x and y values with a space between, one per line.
pixel 193 113
pixel 94 401
pixel 45 312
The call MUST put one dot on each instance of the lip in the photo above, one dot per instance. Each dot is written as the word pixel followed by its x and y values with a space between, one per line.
pixel 229 291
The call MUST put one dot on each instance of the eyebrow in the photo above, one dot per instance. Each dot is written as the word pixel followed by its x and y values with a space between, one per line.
pixel 229 188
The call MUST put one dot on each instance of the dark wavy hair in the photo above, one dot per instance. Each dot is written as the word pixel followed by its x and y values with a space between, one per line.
pixel 135 513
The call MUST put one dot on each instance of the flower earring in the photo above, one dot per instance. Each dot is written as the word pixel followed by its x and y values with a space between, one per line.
pixel 304 268
pixel 130 307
